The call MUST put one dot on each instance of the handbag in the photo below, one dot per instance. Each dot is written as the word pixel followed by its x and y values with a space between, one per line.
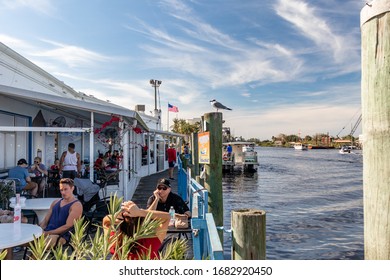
pixel 181 221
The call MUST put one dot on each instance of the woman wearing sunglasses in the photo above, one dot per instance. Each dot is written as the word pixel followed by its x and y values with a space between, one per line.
pixel 163 198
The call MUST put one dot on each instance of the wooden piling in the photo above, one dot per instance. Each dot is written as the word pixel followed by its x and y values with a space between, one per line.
pixel 213 180
pixel 375 28
pixel 248 234
pixel 194 155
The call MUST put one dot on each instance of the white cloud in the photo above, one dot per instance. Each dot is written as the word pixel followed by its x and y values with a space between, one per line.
pixel 307 20
pixel 290 119
pixel 71 55
pixel 42 6
pixel 246 94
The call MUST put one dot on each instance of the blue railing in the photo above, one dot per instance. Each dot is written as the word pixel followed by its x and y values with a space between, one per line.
pixel 206 242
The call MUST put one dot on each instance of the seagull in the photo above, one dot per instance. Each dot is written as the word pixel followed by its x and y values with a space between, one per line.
pixel 218 105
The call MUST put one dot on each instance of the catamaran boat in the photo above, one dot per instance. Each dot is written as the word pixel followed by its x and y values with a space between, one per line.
pixel 300 146
pixel 243 156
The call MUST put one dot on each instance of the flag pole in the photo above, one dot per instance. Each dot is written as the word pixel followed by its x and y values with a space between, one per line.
pixel 168 119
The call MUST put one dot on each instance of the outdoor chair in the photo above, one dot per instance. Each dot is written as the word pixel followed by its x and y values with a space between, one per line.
pixel 95 214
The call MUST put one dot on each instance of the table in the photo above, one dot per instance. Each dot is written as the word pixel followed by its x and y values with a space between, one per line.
pixel 39 205
pixel 12 235
pixel 179 231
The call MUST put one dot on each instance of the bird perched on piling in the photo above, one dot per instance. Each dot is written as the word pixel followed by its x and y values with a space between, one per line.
pixel 218 105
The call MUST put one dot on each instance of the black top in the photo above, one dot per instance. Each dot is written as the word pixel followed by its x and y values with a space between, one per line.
pixel 172 200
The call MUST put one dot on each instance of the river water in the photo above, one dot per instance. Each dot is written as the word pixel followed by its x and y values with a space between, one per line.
pixel 313 202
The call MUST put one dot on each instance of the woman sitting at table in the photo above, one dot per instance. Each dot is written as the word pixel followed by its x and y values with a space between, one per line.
pixel 130 218
pixel 62 214
pixel 40 172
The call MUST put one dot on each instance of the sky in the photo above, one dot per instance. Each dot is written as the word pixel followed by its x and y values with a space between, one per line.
pixel 283 66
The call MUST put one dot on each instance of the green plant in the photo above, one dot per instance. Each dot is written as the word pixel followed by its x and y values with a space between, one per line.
pixel 3 254
pixel 6 192
pixel 97 247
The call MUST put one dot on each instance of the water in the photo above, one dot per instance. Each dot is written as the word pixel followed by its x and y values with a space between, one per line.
pixel 313 202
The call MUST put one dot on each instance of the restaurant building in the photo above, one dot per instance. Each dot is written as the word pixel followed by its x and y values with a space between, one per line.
pixel 40 115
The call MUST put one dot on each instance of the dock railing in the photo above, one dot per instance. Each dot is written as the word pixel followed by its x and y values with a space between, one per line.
pixel 206 242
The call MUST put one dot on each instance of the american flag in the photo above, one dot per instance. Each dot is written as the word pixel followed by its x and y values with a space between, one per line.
pixel 172 108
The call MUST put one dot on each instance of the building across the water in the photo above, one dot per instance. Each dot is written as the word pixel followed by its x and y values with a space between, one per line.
pixel 40 115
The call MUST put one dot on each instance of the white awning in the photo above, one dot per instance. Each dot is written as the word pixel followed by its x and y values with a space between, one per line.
pixel 71 103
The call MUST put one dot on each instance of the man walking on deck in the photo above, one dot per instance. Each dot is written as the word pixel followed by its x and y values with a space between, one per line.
pixel 171 152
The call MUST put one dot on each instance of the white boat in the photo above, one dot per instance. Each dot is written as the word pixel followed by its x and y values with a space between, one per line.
pixel 300 146
pixel 349 150
pixel 243 156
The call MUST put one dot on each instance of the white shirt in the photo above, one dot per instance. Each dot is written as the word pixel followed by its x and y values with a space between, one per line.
pixel 70 162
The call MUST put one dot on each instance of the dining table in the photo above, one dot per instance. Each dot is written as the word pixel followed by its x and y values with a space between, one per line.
pixel 16 234
pixel 39 205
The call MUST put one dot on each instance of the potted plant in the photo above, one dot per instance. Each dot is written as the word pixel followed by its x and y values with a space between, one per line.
pixel 6 192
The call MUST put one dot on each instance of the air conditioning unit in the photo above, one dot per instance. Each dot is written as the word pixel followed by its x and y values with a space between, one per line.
pixel 140 108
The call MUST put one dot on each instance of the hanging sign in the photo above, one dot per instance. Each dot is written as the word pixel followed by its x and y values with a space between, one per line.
pixel 204 147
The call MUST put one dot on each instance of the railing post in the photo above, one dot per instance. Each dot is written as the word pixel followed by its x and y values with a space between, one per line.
pixel 248 234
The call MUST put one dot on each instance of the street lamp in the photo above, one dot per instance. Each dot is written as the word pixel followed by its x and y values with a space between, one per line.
pixel 155 84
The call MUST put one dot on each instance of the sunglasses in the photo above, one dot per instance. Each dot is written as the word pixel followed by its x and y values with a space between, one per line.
pixel 162 188
pixel 36 161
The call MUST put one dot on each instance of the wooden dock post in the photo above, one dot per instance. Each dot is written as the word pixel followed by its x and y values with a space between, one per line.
pixel 194 155
pixel 375 28
pixel 248 234
pixel 213 180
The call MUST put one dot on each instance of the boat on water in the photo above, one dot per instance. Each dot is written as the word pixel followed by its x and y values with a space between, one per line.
pixel 239 155
pixel 349 149
pixel 300 146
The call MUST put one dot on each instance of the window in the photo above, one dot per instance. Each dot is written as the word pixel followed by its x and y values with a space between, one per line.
pixel 13 145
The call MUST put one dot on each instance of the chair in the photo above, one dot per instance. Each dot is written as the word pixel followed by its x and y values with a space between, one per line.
pixel 98 210
pixel 53 180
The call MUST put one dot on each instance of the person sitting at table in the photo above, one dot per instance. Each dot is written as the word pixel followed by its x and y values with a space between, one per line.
pixel 130 218
pixel 40 172
pixel 20 172
pixel 62 214
pixel 7 216
pixel 56 165
pixel 163 198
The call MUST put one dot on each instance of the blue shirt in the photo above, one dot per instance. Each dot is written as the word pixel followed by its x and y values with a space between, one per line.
pixel 20 173
pixel 229 149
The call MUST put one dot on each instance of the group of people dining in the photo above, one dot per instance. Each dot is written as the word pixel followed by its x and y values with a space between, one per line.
pixel 65 210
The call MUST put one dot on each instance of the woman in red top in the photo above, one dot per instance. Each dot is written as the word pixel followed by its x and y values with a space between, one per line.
pixel 130 218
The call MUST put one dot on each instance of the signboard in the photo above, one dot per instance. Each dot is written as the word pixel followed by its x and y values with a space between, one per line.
pixel 204 147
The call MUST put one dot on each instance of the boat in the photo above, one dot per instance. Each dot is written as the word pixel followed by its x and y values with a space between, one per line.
pixel 300 146
pixel 243 156
pixel 349 149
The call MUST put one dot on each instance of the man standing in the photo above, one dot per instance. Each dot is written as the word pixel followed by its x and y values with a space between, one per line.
pixel 163 198
pixel 70 163
pixel 20 172
pixel 171 152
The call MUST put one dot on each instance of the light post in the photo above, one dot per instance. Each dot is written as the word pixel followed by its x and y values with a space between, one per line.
pixel 155 84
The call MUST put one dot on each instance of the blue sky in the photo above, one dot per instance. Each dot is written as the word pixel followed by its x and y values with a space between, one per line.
pixel 284 66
